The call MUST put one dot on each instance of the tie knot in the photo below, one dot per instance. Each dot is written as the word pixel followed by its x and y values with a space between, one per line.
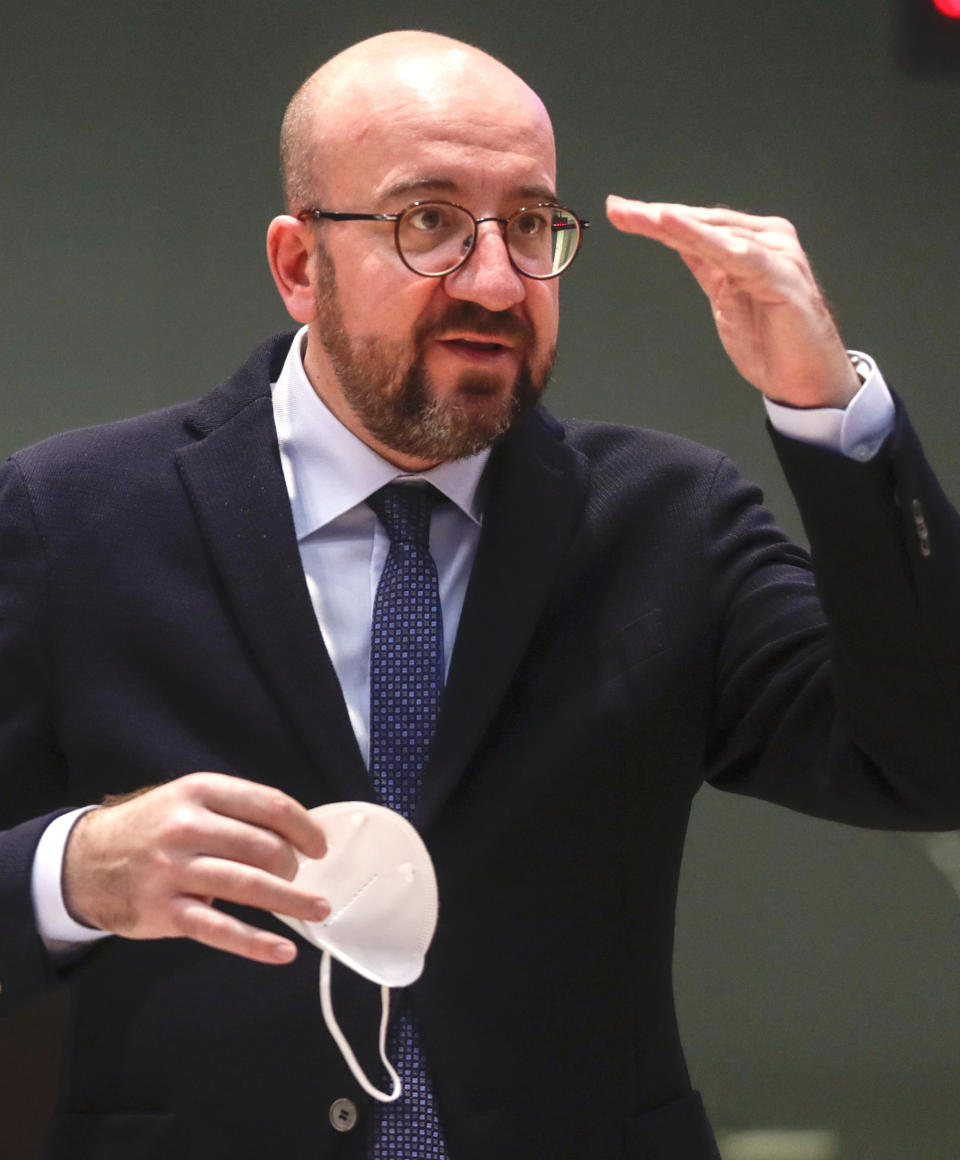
pixel 405 509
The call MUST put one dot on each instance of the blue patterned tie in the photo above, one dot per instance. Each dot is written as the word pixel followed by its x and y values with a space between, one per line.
pixel 406 677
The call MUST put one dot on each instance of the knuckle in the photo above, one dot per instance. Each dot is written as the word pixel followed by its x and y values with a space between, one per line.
pixel 198 785
pixel 239 882
pixel 278 807
pixel 184 821
pixel 180 825
pixel 277 858
pixel 191 782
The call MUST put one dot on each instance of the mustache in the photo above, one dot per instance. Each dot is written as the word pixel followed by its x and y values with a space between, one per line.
pixel 473 317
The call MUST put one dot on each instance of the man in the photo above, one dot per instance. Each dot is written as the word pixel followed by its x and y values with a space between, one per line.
pixel 187 602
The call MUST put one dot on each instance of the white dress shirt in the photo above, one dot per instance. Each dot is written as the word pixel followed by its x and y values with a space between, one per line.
pixel 329 473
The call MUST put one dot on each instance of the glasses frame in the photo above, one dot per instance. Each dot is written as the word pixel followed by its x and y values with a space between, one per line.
pixel 504 223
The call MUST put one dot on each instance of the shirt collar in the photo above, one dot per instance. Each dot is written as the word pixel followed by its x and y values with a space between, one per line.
pixel 328 470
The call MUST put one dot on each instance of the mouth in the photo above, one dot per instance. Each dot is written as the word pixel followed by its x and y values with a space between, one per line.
pixel 477 349
pixel 472 344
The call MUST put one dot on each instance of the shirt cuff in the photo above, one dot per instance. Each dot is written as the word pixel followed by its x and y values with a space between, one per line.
pixel 856 431
pixel 54 925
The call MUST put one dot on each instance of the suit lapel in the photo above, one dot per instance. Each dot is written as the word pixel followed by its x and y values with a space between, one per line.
pixel 536 493
pixel 236 488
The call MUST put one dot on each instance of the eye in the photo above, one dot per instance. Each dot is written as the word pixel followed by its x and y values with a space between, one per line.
pixel 531 223
pixel 429 219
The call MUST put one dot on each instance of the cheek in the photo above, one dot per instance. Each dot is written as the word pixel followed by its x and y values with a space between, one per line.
pixel 377 299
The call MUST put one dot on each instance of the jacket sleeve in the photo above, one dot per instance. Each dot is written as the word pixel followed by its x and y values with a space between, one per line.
pixel 857 718
pixel 32 771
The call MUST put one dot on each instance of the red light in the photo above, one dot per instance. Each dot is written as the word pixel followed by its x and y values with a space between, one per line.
pixel 948 7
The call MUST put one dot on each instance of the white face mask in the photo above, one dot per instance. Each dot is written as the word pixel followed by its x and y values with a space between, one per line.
pixel 379 880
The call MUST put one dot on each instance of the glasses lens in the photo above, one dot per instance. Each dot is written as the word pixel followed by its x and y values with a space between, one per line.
pixel 435 237
pixel 543 240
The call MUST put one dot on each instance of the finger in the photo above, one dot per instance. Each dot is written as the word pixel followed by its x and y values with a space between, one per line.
pixel 248 886
pixel 736 254
pixel 682 232
pixel 771 239
pixel 625 210
pixel 262 805
pixel 206 832
pixel 202 923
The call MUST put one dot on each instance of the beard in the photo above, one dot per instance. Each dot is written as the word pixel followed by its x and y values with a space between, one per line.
pixel 393 395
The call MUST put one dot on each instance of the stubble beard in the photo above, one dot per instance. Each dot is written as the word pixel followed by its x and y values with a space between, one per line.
pixel 393 395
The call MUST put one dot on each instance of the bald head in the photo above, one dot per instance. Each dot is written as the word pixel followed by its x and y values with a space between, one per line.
pixel 401 79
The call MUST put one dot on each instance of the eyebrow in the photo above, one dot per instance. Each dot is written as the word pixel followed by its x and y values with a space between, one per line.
pixel 447 185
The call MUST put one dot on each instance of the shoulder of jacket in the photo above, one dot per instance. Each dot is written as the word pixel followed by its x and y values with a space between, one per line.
pixel 140 440
pixel 124 439
pixel 603 442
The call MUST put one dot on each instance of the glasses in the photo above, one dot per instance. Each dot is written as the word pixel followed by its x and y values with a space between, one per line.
pixel 434 238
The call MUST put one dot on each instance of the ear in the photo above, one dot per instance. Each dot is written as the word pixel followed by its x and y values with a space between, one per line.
pixel 289 252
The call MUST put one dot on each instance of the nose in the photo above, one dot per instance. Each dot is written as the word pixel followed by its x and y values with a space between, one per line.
pixel 488 277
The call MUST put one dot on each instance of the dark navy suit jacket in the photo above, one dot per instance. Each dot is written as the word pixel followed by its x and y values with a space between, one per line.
pixel 634 623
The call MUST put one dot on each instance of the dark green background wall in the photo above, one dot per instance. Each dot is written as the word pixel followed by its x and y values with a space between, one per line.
pixel 817 967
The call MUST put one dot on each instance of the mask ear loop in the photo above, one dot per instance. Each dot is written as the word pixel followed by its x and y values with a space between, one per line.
pixel 326 1004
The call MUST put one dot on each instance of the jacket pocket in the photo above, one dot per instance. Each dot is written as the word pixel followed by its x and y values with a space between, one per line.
pixel 108 1136
pixel 679 1130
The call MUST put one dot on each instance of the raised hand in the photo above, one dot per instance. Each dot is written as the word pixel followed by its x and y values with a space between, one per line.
pixel 770 313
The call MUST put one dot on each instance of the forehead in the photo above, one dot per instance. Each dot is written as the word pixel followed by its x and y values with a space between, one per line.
pixel 461 136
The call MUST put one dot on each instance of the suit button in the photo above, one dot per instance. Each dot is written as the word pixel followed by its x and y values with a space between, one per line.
pixel 343 1114
pixel 920 523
